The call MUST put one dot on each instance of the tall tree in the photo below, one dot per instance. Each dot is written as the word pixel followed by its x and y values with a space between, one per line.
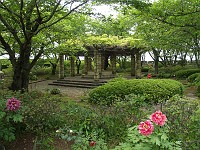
pixel 20 22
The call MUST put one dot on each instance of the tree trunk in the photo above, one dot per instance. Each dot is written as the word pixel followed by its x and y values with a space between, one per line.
pixel 78 64
pixel 53 71
pixel 156 60
pixel 138 64
pixel 22 70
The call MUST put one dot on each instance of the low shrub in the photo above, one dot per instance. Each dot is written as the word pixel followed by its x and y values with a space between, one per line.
pixel 43 113
pixel 186 73
pixel 183 120
pixel 55 91
pixel 198 88
pixel 109 121
pixel 193 77
pixel 164 75
pixel 154 90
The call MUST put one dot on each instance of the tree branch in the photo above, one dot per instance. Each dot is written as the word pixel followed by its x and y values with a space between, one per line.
pixel 67 14
pixel 52 13
pixel 12 30
pixel 177 25
pixel 8 49
pixel 37 57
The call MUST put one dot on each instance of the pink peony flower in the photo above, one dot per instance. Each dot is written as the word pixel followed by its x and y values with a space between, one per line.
pixel 158 118
pixel 146 128
pixel 13 104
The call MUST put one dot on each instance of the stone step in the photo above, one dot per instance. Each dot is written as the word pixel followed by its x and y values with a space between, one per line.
pixel 73 85
pixel 78 82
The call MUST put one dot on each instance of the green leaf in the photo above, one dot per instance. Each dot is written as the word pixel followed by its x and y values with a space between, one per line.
pixel 17 118
pixel 2 114
pixel 164 137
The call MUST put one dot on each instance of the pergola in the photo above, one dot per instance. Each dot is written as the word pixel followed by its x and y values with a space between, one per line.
pixel 100 53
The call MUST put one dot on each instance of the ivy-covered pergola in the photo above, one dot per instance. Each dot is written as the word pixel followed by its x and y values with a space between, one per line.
pixel 102 48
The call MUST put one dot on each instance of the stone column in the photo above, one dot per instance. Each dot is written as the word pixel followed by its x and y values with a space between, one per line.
pixel 96 65
pixel 133 64
pixel 102 61
pixel 61 66
pixel 138 64
pixel 113 63
pixel 86 65
pixel 72 66
pixel 89 63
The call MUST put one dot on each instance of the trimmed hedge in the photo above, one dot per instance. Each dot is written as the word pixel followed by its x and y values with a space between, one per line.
pixel 194 77
pixel 186 73
pixel 154 90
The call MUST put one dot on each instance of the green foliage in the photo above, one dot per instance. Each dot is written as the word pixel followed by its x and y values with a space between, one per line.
pixel 154 90
pixel 192 78
pixel 157 140
pixel 164 75
pixel 8 71
pixel 38 71
pixel 9 120
pixel 183 120
pixel 82 142
pixel 198 88
pixel 186 73
pixel 43 113
pixel 107 120
pixel 55 91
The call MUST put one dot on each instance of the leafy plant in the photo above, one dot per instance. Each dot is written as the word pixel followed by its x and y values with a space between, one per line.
pixel 89 142
pixel 183 119
pixel 147 136
pixel 55 91
pixel 154 90
pixel 186 73
pixel 10 114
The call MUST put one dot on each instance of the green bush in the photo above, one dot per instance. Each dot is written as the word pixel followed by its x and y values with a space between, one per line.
pixel 43 113
pixel 164 75
pixel 183 120
pixel 154 90
pixel 186 73
pixel 193 77
pixel 109 121
pixel 55 91
pixel 198 88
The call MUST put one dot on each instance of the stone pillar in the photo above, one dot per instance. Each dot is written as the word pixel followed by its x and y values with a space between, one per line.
pixel 113 63
pixel 138 64
pixel 72 66
pixel 102 61
pixel 133 64
pixel 89 63
pixel 86 65
pixel 96 66
pixel 61 66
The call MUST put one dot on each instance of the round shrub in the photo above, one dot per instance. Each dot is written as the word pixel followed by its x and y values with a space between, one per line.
pixel 193 77
pixel 154 90
pixel 186 73
pixel 55 91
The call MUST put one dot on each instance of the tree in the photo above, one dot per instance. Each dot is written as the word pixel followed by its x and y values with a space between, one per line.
pixel 23 20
